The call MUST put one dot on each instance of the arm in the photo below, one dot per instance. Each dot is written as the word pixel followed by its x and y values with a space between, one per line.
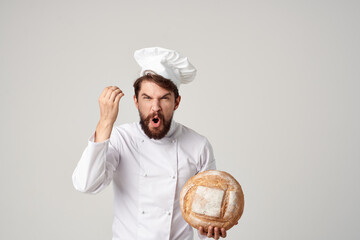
pixel 99 160
pixel 95 169
pixel 207 162
pixel 207 159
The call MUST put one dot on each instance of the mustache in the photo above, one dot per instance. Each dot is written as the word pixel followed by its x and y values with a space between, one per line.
pixel 153 115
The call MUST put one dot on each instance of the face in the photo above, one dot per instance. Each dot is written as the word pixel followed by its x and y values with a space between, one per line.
pixel 156 107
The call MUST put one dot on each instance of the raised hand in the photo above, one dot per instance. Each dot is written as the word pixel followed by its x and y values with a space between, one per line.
pixel 109 107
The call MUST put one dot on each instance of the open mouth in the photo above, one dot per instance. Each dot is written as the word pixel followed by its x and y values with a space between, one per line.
pixel 155 122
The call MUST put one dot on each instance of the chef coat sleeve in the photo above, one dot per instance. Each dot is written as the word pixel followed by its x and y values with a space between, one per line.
pixel 207 162
pixel 207 159
pixel 97 164
pixel 202 237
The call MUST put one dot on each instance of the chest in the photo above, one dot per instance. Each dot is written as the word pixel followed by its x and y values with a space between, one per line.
pixel 167 160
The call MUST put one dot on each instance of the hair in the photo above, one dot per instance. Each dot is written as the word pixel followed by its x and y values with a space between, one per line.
pixel 158 80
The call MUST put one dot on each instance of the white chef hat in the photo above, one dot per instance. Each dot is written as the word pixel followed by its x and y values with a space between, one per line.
pixel 167 63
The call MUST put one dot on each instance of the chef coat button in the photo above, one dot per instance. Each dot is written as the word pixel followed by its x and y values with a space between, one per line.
pixel 174 141
pixel 142 140
pixel 169 213
pixel 145 175
pixel 143 212
pixel 173 177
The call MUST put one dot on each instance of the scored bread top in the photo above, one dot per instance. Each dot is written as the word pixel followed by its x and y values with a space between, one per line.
pixel 212 198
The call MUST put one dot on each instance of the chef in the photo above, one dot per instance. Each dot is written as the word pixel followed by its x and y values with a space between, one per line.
pixel 148 161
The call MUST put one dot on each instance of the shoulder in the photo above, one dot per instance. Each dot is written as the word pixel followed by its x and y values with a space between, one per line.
pixel 126 131
pixel 189 135
pixel 124 136
pixel 126 127
pixel 197 146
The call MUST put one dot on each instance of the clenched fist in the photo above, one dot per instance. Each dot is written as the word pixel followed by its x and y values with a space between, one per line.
pixel 109 108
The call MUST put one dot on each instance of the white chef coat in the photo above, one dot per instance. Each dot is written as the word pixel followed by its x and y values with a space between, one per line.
pixel 147 176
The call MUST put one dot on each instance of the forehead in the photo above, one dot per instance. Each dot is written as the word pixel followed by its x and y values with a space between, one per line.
pixel 152 89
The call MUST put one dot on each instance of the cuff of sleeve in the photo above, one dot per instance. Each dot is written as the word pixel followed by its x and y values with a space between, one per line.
pixel 202 237
pixel 91 140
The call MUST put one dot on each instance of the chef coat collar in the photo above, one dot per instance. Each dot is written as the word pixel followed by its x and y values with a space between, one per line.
pixel 168 137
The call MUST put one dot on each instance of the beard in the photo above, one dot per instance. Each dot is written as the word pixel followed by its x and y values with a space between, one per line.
pixel 157 133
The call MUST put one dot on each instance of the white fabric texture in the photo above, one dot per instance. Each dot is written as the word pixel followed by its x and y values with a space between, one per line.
pixel 167 63
pixel 147 176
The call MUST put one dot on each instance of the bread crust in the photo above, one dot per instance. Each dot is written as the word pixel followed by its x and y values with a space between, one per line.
pixel 212 198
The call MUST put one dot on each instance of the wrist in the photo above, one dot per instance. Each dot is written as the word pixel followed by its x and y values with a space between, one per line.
pixel 103 131
pixel 105 124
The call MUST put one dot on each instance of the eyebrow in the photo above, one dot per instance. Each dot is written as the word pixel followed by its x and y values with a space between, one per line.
pixel 145 95
pixel 168 94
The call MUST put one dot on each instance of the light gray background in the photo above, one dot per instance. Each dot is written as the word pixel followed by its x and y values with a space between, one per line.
pixel 277 94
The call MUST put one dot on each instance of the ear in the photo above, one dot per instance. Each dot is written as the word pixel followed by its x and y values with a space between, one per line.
pixel 177 102
pixel 136 102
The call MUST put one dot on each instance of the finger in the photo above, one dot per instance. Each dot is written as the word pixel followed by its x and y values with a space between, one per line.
pixel 216 233
pixel 109 92
pixel 111 89
pixel 103 94
pixel 118 97
pixel 210 232
pixel 201 230
pixel 114 88
pixel 223 232
pixel 114 94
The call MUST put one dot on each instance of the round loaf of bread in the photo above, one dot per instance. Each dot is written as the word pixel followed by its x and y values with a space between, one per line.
pixel 212 198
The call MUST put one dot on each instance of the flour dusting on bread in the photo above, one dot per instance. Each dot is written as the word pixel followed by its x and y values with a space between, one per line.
pixel 207 201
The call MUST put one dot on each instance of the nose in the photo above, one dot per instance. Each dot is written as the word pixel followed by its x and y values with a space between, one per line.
pixel 156 106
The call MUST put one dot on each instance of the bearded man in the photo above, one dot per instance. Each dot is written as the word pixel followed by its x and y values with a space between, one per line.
pixel 148 161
